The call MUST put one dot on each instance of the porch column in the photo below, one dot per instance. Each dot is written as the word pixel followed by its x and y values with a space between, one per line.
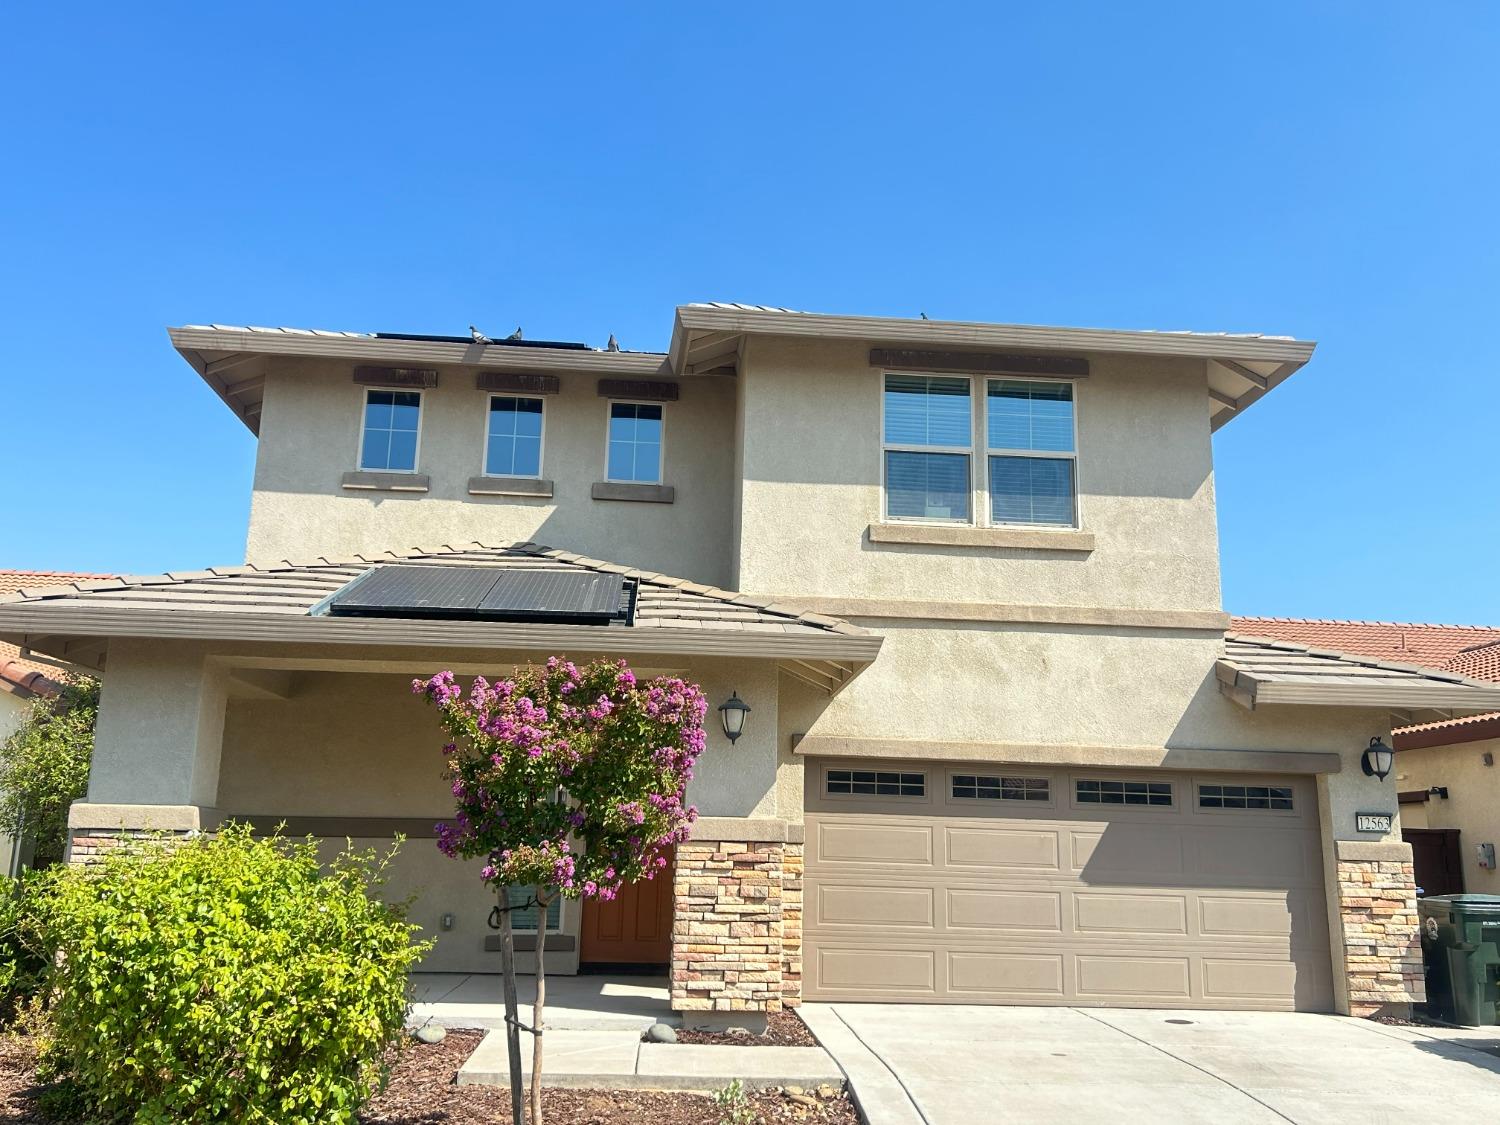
pixel 156 745
pixel 1382 944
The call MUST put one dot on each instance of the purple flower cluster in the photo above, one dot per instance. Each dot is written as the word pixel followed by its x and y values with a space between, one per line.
pixel 573 778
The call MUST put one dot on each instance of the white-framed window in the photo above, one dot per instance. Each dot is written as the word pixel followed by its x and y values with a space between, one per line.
pixel 524 920
pixel 1031 452
pixel 513 436
pixel 633 450
pixel 928 444
pixel 934 468
pixel 390 432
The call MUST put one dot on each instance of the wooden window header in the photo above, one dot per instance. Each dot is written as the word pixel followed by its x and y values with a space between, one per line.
pixel 652 390
pixel 395 376
pixel 984 363
pixel 517 381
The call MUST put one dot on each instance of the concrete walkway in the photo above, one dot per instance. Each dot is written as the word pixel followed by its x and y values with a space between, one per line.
pixel 618 1060
pixel 960 1065
pixel 582 1003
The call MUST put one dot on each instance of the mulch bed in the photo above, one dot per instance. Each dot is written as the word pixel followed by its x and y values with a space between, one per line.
pixel 421 1092
pixel 783 1029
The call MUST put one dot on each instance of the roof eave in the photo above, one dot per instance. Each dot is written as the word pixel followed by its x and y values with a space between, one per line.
pixel 22 623
pixel 975 334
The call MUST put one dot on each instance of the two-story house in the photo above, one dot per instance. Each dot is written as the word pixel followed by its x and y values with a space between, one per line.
pixel 1001 747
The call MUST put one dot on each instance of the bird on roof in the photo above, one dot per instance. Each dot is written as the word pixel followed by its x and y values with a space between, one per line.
pixel 479 337
pixel 613 345
pixel 516 335
pixel 922 315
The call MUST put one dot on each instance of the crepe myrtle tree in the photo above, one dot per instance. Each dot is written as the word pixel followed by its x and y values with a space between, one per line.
pixel 569 780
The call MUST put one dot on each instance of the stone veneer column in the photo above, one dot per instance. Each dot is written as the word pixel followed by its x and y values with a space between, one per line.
pixel 1377 897
pixel 94 830
pixel 791 925
pixel 729 951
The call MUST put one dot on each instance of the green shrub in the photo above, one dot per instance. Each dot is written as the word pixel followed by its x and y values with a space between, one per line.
pixel 224 979
pixel 21 962
pixel 44 768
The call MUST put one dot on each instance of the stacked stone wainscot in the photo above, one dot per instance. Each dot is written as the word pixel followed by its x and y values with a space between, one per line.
pixel 1382 942
pixel 737 929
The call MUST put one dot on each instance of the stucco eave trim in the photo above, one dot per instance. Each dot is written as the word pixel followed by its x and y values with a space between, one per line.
pixel 43 619
pixel 1123 617
pixel 1069 754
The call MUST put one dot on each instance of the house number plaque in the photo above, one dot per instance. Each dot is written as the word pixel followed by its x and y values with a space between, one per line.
pixel 1372 822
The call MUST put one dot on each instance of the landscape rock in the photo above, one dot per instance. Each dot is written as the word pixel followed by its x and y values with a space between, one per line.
pixel 661 1033
pixel 431 1033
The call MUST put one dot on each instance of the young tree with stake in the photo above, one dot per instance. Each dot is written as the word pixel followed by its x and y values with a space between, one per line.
pixel 568 780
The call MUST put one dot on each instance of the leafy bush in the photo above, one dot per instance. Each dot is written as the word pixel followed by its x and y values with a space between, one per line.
pixel 44 767
pixel 224 979
pixel 21 963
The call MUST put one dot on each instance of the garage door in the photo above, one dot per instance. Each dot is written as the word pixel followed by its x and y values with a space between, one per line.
pixel 963 883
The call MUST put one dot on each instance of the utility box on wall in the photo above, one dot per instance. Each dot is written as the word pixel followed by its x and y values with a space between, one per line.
pixel 1486 856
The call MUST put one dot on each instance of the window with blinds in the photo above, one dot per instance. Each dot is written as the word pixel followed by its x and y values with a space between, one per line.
pixel 525 919
pixel 1028 461
pixel 928 446
pixel 1031 454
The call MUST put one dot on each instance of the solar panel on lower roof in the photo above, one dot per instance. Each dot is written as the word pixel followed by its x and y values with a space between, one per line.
pixel 483 593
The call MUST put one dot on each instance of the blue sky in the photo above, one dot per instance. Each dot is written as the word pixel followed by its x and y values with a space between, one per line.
pixel 1324 170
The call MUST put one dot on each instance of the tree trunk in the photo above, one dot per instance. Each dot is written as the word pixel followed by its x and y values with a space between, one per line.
pixel 536 1010
pixel 512 1010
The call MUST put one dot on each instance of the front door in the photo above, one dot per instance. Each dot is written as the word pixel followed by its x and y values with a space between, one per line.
pixel 1436 860
pixel 633 928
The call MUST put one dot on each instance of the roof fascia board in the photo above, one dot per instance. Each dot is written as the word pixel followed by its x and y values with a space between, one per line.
pixel 57 620
pixel 414 352
pixel 972 334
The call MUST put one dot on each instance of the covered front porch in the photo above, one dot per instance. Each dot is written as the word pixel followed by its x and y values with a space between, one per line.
pixel 587 1002
pixel 234 696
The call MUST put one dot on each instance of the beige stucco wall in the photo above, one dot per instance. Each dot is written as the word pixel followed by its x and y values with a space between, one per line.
pixel 812 469
pixel 310 430
pixel 1473 804
pixel 13 712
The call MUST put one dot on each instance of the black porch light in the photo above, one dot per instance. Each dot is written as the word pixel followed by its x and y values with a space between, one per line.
pixel 732 714
pixel 1377 759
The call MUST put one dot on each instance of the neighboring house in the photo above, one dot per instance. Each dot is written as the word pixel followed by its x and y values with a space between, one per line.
pixel 966 575
pixel 22 680
pixel 1446 777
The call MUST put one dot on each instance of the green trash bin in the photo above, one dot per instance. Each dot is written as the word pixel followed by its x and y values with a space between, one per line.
pixel 1461 951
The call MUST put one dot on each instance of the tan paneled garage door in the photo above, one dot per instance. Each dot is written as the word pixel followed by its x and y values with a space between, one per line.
pixel 975 884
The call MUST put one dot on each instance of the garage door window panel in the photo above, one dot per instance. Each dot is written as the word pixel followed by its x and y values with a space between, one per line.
pixel 1266 798
pixel 875 783
pixel 995 787
pixel 1088 791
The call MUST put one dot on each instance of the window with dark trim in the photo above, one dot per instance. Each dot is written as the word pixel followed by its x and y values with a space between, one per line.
pixel 1245 797
pixel 987 787
pixel 876 783
pixel 1124 792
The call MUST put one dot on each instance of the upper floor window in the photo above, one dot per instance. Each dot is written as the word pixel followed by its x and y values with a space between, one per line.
pixel 634 452
pixel 928 442
pixel 392 421
pixel 1031 454
pixel 513 437
pixel 1028 460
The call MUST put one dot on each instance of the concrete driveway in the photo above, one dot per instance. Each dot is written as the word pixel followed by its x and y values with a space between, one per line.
pixel 915 1064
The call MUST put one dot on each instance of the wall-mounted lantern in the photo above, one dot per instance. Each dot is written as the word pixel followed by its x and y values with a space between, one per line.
pixel 1377 760
pixel 732 714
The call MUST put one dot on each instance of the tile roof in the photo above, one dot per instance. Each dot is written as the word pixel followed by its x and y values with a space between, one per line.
pixel 296 586
pixel 1267 670
pixel 1431 646
pixel 27 678
pixel 274 603
pixel 1466 650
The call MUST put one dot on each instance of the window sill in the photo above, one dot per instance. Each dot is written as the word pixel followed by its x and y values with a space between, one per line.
pixel 641 493
pixel 510 486
pixel 385 482
pixel 1063 539
pixel 526 943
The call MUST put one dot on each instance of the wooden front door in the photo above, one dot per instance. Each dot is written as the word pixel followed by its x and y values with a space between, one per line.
pixel 1437 863
pixel 633 928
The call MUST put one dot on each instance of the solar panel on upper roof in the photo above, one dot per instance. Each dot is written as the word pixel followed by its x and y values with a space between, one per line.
pixel 484 593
